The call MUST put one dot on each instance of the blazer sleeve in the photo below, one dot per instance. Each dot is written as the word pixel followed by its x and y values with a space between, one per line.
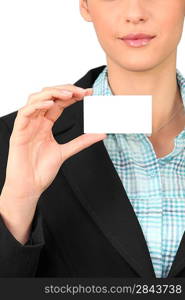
pixel 16 259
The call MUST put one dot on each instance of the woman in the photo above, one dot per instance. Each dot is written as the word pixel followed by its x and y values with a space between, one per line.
pixel 46 185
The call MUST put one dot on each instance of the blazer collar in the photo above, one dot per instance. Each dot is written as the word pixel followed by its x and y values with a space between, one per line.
pixel 98 187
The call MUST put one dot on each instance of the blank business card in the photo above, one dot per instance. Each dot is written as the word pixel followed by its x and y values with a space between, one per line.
pixel 118 114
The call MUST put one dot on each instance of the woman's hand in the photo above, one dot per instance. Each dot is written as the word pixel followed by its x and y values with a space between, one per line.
pixel 34 155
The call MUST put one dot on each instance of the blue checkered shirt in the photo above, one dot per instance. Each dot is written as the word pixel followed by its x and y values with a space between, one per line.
pixel 155 186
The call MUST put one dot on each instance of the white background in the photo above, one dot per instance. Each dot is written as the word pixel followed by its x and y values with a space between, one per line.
pixel 45 43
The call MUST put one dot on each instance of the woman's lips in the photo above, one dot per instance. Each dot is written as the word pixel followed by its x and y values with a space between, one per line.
pixel 137 41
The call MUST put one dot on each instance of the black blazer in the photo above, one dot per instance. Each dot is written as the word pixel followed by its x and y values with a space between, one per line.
pixel 84 225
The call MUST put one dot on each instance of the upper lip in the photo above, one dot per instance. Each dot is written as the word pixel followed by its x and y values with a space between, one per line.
pixel 134 36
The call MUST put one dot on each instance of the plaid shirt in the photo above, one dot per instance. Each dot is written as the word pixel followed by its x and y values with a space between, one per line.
pixel 155 186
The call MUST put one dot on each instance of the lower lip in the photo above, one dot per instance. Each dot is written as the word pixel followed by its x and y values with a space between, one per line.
pixel 137 43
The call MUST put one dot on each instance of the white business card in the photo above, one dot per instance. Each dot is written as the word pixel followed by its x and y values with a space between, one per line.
pixel 118 114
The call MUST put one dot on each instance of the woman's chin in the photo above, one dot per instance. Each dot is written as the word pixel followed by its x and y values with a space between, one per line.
pixel 138 66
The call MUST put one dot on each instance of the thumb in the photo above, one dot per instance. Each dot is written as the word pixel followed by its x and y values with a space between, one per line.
pixel 79 143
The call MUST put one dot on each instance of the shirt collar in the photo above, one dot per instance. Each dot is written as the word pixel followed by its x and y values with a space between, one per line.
pixel 101 85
